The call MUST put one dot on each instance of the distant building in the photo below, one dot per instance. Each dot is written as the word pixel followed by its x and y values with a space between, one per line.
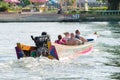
pixel 88 1
pixel 79 3
pixel 91 3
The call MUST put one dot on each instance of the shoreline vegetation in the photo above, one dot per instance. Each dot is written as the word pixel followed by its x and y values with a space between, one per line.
pixel 10 12
pixel 54 17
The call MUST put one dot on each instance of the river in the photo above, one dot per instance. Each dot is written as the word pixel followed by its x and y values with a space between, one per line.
pixel 103 63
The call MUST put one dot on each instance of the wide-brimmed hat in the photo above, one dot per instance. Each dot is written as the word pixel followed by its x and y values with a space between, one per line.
pixel 65 33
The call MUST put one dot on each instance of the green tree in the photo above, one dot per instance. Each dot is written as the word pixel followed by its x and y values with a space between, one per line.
pixel 114 4
pixel 3 6
pixel 70 2
pixel 25 2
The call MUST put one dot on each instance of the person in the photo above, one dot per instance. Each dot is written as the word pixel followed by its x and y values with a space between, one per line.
pixel 59 11
pixel 96 34
pixel 59 41
pixel 92 37
pixel 40 40
pixel 44 33
pixel 77 35
pixel 67 36
pixel 41 44
pixel 73 40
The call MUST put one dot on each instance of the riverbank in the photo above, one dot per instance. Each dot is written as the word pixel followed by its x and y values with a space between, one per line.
pixel 101 18
pixel 44 17
pixel 29 17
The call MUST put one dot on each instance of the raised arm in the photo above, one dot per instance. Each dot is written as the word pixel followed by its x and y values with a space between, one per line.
pixel 32 37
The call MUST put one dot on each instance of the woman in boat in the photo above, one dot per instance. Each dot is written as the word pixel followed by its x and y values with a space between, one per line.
pixel 67 36
pixel 73 40
pixel 77 35
pixel 59 41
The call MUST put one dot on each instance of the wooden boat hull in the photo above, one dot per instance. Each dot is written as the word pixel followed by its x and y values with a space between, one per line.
pixel 57 51
pixel 73 51
pixel 28 51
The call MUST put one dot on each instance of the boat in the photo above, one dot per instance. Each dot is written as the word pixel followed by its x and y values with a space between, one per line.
pixel 57 51
pixel 23 50
pixel 67 51
pixel 44 47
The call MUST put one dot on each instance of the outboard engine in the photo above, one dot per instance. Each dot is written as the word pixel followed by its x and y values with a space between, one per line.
pixel 42 45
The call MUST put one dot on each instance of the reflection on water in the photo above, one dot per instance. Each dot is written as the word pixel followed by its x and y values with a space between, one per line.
pixel 114 60
pixel 115 28
pixel 115 76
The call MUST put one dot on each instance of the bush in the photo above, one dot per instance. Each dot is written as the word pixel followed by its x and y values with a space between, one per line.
pixel 15 9
pixel 3 6
pixel 98 8
pixel 72 12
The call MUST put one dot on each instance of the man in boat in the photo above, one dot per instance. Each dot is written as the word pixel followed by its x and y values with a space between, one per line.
pixel 41 44
pixel 73 40
pixel 77 35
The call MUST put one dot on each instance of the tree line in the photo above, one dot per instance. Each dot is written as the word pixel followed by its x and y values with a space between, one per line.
pixel 112 4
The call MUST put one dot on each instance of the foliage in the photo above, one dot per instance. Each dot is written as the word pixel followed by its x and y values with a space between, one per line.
pixel 25 2
pixel 72 12
pixel 114 4
pixel 98 8
pixel 15 9
pixel 70 2
pixel 102 1
pixel 3 6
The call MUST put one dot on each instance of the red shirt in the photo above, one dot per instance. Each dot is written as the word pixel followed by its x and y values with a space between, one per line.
pixel 60 41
